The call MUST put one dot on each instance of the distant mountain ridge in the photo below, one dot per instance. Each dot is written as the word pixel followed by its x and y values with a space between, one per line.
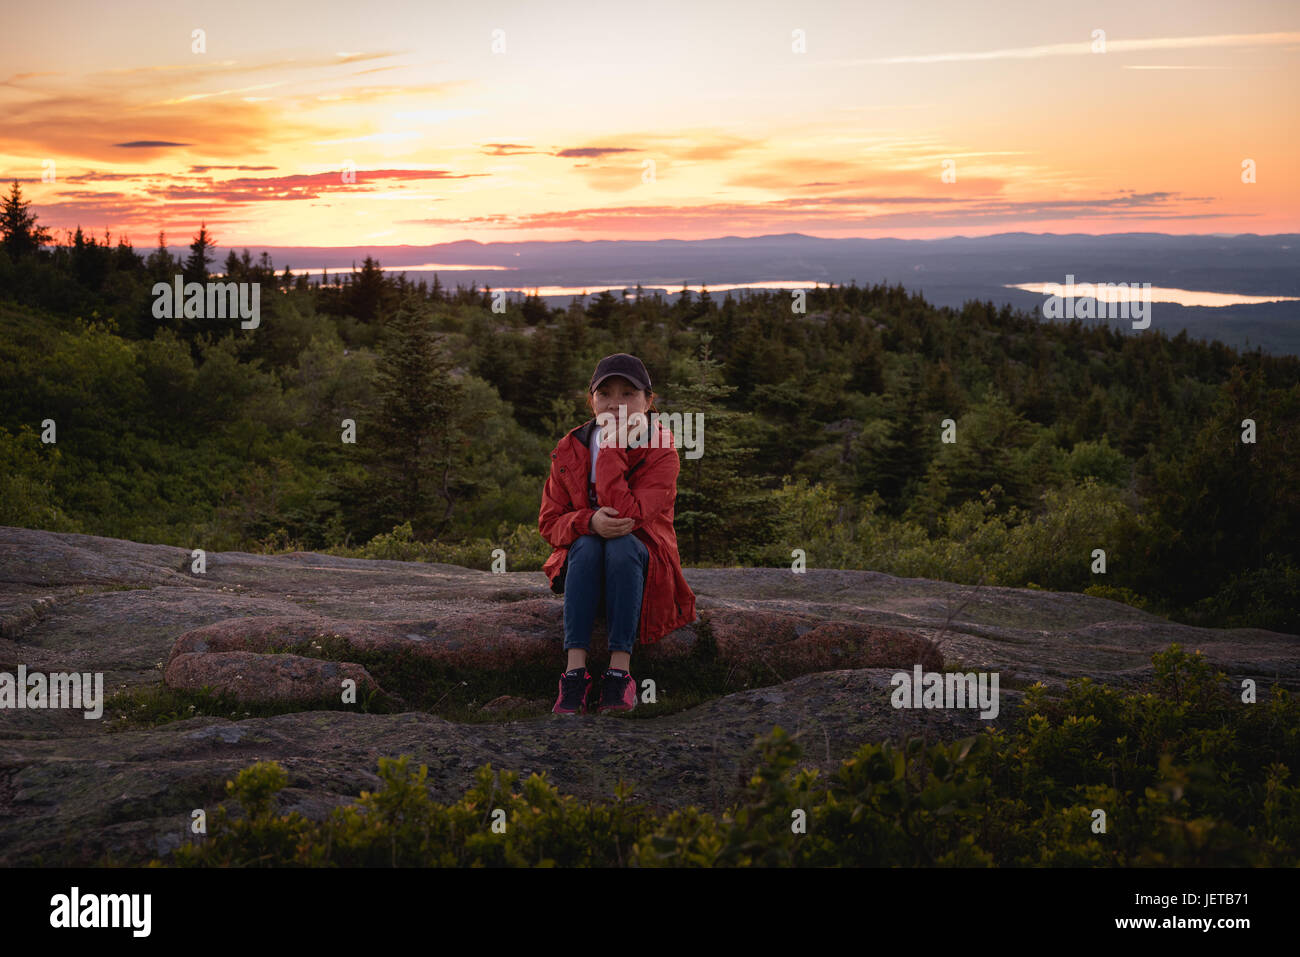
pixel 948 272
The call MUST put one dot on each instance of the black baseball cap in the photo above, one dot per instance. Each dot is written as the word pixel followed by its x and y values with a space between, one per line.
pixel 620 363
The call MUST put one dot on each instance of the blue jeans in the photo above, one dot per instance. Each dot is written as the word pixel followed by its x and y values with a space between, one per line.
pixel 612 569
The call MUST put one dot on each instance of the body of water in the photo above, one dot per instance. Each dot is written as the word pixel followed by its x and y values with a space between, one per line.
pixel 1134 293
pixel 627 290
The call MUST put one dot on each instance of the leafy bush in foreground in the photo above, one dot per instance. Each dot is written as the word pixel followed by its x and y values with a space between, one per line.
pixel 1185 773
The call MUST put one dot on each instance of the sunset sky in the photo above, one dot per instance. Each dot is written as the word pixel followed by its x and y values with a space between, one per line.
pixel 549 138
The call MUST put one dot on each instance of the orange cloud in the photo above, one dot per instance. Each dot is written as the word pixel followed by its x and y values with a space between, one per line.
pixel 839 213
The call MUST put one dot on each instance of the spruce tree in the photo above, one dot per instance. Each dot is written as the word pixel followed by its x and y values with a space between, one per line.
pixel 416 446
pixel 366 292
pixel 196 264
pixel 535 311
pixel 720 514
pixel 19 233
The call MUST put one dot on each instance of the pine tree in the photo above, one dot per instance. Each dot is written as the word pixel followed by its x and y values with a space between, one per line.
pixel 721 514
pixel 703 310
pixel 1144 427
pixel 549 372
pixel 232 266
pixel 89 260
pixel 19 233
pixel 366 292
pixel 1220 505
pixel 888 464
pixel 196 264
pixel 535 311
pixel 743 360
pixel 125 259
pixel 416 447
pixel 991 440
pixel 161 264
pixel 868 364
pixel 724 328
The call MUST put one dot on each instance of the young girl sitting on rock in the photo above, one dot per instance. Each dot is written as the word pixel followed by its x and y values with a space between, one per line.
pixel 607 508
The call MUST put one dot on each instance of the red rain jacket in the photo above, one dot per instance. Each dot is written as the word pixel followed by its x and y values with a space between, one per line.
pixel 642 484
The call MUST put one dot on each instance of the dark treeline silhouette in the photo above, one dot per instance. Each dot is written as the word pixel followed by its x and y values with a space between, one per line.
pixel 822 427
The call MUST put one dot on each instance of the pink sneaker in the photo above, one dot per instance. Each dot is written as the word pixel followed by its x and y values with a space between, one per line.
pixel 575 686
pixel 617 692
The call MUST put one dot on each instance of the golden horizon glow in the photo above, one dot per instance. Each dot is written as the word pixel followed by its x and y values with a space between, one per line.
pixel 551 137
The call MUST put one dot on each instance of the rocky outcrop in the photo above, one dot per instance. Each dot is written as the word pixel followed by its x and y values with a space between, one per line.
pixel 235 655
pixel 816 650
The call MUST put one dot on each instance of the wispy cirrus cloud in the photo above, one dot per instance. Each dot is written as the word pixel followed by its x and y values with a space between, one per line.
pixel 831 213
pixel 1177 66
pixel 16 78
pixel 117 109
pixel 509 149
pixel 191 97
pixel 95 127
pixel 166 199
pixel 202 69
pixel 594 152
pixel 301 186
pixel 1084 47
pixel 250 169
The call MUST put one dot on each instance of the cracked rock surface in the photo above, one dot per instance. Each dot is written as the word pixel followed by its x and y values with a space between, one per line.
pixel 829 640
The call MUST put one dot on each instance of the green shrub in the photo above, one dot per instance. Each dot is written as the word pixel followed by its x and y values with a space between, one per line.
pixel 1266 597
pixel 27 495
pixel 1054 547
pixel 524 547
pixel 1184 773
pixel 1120 594
pixel 1098 460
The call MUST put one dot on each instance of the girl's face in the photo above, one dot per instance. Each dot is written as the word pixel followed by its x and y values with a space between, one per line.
pixel 616 391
